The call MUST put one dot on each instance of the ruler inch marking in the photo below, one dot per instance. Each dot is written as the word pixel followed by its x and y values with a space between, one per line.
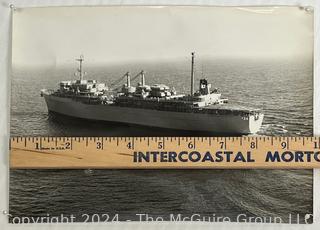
pixel 74 144
pixel 102 144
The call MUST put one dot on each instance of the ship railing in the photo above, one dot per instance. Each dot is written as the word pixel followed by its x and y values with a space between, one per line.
pixel 162 105
pixel 182 107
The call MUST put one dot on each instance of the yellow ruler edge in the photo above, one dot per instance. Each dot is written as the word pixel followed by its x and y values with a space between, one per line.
pixel 164 152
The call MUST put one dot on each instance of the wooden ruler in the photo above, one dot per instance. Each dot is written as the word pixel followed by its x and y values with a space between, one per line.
pixel 165 152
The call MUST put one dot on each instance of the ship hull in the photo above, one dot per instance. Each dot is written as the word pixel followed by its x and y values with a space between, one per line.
pixel 212 123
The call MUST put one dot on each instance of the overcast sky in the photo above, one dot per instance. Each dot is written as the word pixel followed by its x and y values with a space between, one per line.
pixel 43 36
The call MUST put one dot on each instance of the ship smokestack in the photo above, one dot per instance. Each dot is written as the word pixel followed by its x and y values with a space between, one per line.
pixel 142 78
pixel 128 79
pixel 192 74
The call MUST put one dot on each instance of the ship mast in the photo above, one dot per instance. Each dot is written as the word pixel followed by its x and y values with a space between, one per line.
pixel 192 74
pixel 143 81
pixel 80 60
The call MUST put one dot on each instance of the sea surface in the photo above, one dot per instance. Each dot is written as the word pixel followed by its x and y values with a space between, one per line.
pixel 283 89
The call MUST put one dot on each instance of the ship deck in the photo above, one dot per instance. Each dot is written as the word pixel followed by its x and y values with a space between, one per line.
pixel 165 105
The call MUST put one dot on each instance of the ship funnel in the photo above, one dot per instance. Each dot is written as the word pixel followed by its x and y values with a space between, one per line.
pixel 143 81
pixel 128 79
pixel 192 74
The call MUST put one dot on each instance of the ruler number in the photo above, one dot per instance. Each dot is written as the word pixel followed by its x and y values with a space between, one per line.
pixel 316 145
pixel 37 145
pixel 129 145
pixel 160 145
pixel 222 145
pixel 253 145
pixel 68 145
pixel 283 144
pixel 99 145
pixel 190 145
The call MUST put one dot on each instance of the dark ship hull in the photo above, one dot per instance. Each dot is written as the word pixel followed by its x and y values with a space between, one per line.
pixel 211 119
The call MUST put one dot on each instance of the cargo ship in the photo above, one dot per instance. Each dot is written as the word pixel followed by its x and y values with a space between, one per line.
pixel 155 105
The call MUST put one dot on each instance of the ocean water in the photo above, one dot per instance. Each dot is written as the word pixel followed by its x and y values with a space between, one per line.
pixel 282 88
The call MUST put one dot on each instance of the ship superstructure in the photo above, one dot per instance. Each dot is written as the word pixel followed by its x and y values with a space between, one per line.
pixel 155 105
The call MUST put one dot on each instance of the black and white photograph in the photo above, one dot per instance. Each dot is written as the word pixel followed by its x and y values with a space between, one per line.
pixel 138 71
